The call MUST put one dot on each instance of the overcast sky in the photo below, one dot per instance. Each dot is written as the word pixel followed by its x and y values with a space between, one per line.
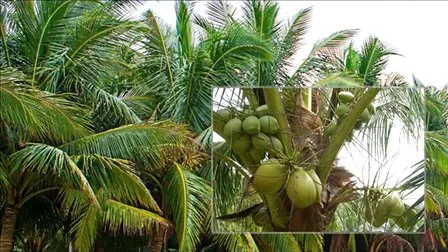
pixel 417 30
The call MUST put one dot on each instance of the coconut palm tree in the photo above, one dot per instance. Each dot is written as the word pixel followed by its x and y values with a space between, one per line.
pixel 63 131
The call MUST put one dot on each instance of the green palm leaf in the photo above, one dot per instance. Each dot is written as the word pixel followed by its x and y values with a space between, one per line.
pixel 102 172
pixel 278 242
pixel 236 242
pixel 44 160
pixel 43 115
pixel 187 199
pixel 121 142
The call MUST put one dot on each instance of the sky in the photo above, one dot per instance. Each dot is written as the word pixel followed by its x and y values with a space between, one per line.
pixel 415 29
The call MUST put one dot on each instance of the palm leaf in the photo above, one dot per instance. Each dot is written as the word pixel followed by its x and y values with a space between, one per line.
pixel 187 199
pixel 41 114
pixel 236 242
pixel 127 186
pixel 44 160
pixel 278 242
pixel 120 217
pixel 373 60
pixel 121 142
pixel 86 229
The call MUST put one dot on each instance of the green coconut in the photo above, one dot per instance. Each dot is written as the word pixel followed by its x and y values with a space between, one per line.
pixel 251 125
pixel 301 189
pixel 371 108
pixel 269 177
pixel 233 127
pixel 257 154
pixel 331 128
pixel 396 206
pixel 262 110
pixel 365 116
pixel 405 221
pixel 269 124
pixel 342 110
pixel 218 124
pixel 248 112
pixel 261 141
pixel 345 96
pixel 379 220
pixel 275 146
pixel 391 205
pixel 224 114
pixel 242 143
pixel 317 182
pixel 368 215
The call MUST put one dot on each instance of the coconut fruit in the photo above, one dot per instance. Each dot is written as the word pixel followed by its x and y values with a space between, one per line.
pixel 391 205
pixel 218 124
pixel 233 127
pixel 379 220
pixel 331 128
pixel 261 141
pixel 257 154
pixel 342 110
pixel 242 143
pixel 301 189
pixel 269 124
pixel 269 177
pixel 251 125
pixel 317 183
pixel 224 114
pixel 365 116
pixel 345 96
pixel 275 146
pixel 262 110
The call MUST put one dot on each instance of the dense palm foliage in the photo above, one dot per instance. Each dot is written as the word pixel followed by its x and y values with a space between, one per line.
pixel 105 122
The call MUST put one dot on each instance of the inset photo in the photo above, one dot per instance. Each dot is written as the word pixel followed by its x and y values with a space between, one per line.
pixel 318 160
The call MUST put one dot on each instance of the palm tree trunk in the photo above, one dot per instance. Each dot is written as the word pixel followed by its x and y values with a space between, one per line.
pixel 8 224
pixel 158 239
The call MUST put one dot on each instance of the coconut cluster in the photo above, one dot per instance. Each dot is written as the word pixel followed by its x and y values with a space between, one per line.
pixel 390 206
pixel 303 187
pixel 345 101
pixel 250 132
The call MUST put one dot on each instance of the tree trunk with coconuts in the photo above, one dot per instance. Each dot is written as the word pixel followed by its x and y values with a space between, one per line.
pixel 8 225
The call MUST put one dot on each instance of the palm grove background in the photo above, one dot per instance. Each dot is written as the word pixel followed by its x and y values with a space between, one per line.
pixel 105 124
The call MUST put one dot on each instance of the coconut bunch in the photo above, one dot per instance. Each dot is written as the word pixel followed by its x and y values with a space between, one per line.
pixel 250 132
pixel 345 99
pixel 390 206
pixel 303 187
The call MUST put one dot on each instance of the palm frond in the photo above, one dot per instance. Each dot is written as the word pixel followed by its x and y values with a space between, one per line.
pixel 220 12
pixel 120 217
pixel 318 60
pixel 278 242
pixel 121 142
pixel 184 34
pixel 373 60
pixel 43 115
pixel 236 242
pixel 102 172
pixel 44 160
pixel 86 229
pixel 187 199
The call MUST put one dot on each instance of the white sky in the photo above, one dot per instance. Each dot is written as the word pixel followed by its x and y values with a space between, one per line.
pixel 416 30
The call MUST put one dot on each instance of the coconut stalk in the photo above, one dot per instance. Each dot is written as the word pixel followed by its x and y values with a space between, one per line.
pixel 275 105
pixel 342 131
